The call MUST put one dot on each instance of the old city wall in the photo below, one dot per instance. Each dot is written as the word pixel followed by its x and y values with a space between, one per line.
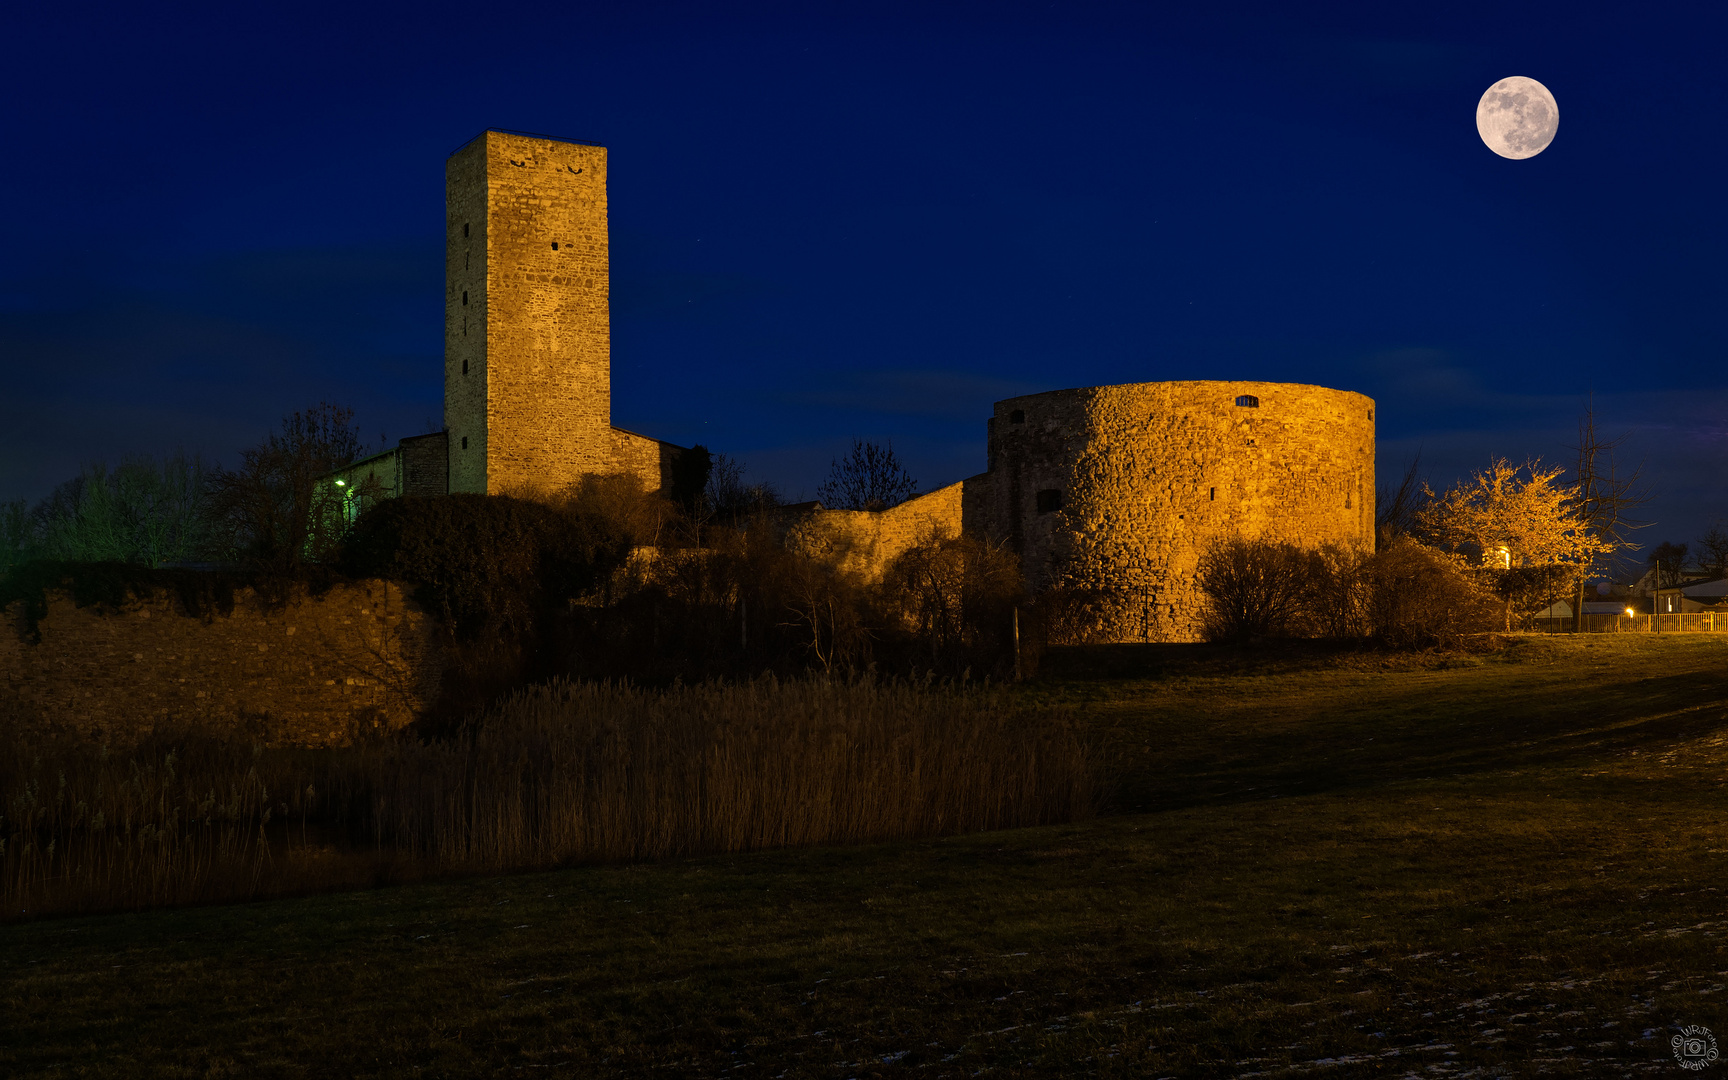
pixel 864 542
pixel 1118 490
pixel 316 670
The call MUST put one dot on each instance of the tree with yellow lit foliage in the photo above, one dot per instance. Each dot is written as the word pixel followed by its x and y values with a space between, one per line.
pixel 1521 526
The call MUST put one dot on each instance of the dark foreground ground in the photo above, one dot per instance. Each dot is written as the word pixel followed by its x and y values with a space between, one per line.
pixel 1492 866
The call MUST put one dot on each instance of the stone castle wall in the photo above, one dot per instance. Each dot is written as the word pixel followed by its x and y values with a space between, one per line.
pixel 648 459
pixel 315 671
pixel 1118 490
pixel 864 542
pixel 527 370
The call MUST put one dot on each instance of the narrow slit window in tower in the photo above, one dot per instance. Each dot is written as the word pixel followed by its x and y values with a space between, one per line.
pixel 464 365
pixel 1018 416
pixel 1212 494
pixel 554 245
pixel 464 297
pixel 464 228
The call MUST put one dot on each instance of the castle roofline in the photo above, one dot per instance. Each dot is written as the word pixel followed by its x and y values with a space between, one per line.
pixel 526 135
pixel 1246 384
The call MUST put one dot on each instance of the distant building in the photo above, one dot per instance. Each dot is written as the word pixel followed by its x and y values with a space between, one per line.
pixel 417 465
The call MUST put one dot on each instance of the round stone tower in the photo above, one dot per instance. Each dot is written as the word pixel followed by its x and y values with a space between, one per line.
pixel 1116 491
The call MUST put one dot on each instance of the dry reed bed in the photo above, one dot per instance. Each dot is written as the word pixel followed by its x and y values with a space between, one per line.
pixel 560 774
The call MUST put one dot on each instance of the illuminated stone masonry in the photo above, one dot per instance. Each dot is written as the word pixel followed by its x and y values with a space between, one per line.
pixel 527 322
pixel 313 670
pixel 1116 491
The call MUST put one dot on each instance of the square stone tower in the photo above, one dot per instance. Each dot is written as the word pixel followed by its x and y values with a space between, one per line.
pixel 527 323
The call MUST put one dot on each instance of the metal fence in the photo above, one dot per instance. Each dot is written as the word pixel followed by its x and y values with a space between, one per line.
pixel 1696 622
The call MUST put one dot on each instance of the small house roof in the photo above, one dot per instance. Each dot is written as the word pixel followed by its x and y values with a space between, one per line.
pixel 1706 590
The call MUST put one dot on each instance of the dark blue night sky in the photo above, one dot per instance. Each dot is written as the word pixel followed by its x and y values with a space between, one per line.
pixel 831 221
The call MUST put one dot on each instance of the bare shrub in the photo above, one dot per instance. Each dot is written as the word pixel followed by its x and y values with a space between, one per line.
pixel 1407 595
pixel 1071 616
pixel 956 595
pixel 1255 589
pixel 1339 590
pixel 643 516
pixel 558 774
pixel 1418 597
pixel 739 606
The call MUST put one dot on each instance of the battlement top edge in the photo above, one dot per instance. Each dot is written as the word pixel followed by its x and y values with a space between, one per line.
pixel 525 134
pixel 1227 386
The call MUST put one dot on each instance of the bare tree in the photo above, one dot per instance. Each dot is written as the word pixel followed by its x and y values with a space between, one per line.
pixel 868 478
pixel 1604 500
pixel 1713 551
pixel 1398 511
pixel 274 510
pixel 15 534
pixel 1667 564
pixel 732 499
pixel 145 511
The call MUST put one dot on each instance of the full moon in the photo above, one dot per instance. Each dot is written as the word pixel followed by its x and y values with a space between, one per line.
pixel 1517 118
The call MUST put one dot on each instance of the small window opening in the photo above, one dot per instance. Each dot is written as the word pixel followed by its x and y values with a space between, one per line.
pixel 464 442
pixel 554 245
pixel 1018 416
pixel 464 297
pixel 1346 502
pixel 464 228
pixel 1248 401
pixel 1049 501
pixel 1212 494
pixel 464 365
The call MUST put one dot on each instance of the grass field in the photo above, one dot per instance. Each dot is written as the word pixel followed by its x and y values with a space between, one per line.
pixel 1325 865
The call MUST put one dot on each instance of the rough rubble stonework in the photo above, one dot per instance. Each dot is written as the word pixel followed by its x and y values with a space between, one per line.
pixel 1116 491
pixel 527 323
pixel 316 670
pixel 1138 480
pixel 864 542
